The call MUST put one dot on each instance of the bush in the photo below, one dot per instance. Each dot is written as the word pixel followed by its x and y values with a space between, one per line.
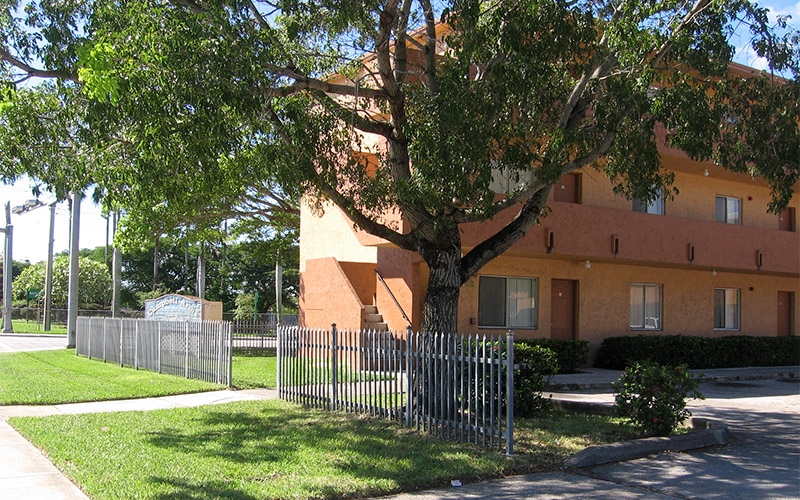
pixel 653 396
pixel 537 366
pixel 570 354
pixel 698 352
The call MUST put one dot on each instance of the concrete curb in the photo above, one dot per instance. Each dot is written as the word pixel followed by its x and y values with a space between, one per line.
pixel 711 435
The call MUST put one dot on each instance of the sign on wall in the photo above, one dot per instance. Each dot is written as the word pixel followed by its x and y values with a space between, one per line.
pixel 182 307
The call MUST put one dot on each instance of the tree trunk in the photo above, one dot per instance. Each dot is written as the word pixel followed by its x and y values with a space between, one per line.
pixel 440 309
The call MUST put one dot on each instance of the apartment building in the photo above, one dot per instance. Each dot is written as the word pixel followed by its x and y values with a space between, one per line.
pixel 711 262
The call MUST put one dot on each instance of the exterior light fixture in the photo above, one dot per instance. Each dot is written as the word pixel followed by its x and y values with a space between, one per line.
pixel 587 264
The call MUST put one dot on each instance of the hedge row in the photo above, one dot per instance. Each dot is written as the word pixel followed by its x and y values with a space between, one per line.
pixel 570 354
pixel 617 353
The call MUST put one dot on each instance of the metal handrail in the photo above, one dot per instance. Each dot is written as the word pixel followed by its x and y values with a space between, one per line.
pixel 380 278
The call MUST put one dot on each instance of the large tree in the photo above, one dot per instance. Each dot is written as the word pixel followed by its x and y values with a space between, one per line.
pixel 205 100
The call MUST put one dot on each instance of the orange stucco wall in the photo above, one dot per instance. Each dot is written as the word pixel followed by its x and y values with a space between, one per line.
pixel 327 296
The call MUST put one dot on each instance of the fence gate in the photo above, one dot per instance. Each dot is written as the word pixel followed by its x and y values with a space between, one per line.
pixel 453 386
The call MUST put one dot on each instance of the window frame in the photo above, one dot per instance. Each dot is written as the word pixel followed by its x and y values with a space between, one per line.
pixel 737 318
pixel 660 319
pixel 726 208
pixel 533 286
pixel 654 207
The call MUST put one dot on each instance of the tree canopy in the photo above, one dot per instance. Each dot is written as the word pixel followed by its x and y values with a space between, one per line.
pixel 95 282
pixel 391 107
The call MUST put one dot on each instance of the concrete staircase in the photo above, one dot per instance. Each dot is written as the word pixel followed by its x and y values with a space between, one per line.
pixel 373 320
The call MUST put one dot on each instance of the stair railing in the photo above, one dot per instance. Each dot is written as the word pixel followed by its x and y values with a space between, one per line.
pixel 394 299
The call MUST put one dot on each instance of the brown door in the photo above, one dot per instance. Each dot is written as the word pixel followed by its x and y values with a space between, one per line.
pixel 786 220
pixel 562 309
pixel 785 307
pixel 568 189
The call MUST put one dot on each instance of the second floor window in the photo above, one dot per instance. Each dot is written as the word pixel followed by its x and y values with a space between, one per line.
pixel 728 210
pixel 655 206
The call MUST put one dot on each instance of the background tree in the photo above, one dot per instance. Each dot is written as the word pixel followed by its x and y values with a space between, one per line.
pixel 94 278
pixel 207 102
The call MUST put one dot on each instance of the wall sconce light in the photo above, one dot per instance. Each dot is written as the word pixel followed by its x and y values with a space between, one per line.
pixel 759 259
pixel 615 244
pixel 691 253
pixel 705 173
pixel 713 272
pixel 587 264
pixel 551 240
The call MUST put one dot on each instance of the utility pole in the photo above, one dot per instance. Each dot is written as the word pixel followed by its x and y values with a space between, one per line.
pixel 278 287
pixel 8 271
pixel 72 292
pixel 48 276
pixel 116 272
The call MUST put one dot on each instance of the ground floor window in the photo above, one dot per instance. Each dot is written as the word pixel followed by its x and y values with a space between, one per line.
pixel 646 307
pixel 507 302
pixel 727 308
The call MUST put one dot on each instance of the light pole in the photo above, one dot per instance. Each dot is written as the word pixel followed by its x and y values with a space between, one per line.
pixel 48 278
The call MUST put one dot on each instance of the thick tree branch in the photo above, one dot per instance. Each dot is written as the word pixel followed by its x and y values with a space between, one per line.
pixel 352 117
pixel 32 72
pixel 430 46
pixel 502 240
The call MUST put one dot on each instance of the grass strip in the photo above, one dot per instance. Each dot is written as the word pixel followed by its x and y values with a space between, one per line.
pixel 277 450
pixel 56 377
pixel 25 326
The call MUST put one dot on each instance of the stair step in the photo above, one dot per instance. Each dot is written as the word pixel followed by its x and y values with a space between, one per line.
pixel 371 309
pixel 379 326
pixel 373 318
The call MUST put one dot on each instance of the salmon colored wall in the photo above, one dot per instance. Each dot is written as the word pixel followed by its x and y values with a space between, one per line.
pixel 362 279
pixel 400 270
pixel 330 235
pixel 604 295
pixel 326 296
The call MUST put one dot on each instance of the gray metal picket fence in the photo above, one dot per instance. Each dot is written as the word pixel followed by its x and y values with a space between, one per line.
pixel 193 349
pixel 457 387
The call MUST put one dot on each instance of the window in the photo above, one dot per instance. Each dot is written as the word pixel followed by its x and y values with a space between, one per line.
pixel 728 210
pixel 507 302
pixel 727 308
pixel 656 206
pixel 646 307
pixel 505 181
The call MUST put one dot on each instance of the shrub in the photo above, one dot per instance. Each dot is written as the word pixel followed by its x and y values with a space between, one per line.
pixel 699 352
pixel 570 354
pixel 537 366
pixel 653 396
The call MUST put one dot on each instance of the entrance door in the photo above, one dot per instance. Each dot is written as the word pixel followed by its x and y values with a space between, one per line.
pixel 562 309
pixel 568 189
pixel 785 308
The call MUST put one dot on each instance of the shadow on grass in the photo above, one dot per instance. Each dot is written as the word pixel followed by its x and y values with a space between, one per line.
pixel 340 455
pixel 210 490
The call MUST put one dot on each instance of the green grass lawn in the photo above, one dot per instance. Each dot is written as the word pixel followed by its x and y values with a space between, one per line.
pixel 254 371
pixel 24 326
pixel 53 377
pixel 277 450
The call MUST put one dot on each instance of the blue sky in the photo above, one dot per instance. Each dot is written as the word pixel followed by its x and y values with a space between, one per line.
pixel 31 229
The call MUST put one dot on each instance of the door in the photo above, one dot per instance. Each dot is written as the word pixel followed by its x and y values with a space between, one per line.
pixel 562 309
pixel 786 220
pixel 785 308
pixel 568 189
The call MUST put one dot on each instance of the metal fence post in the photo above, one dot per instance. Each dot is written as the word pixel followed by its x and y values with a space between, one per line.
pixel 279 362
pixel 136 347
pixel 229 332
pixel 409 378
pixel 334 369
pixel 510 393
pixel 186 353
